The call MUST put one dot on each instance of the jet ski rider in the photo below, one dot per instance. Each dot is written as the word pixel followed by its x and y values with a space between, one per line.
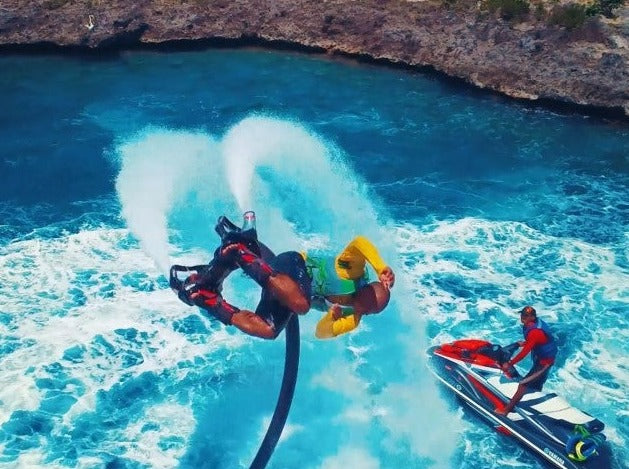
pixel 538 340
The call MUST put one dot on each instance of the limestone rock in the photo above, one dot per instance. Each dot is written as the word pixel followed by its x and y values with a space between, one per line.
pixel 530 60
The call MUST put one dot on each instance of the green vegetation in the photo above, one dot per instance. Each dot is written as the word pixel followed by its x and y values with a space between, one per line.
pixel 509 10
pixel 570 16
pixel 573 15
pixel 54 4
pixel 604 7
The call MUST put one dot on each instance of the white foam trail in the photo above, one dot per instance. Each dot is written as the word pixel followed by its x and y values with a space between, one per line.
pixel 258 141
pixel 53 330
pixel 83 298
pixel 277 168
pixel 349 457
pixel 159 168
pixel 169 421
pixel 285 172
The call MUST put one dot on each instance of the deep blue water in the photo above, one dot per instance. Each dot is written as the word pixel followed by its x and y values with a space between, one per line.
pixel 112 169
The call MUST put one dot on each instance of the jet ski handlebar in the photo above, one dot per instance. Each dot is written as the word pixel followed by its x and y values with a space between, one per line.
pixel 509 350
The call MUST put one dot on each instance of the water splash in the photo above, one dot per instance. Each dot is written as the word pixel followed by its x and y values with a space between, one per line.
pixel 158 169
pixel 293 179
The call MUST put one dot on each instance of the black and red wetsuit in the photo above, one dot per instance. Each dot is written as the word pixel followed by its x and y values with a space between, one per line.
pixel 204 285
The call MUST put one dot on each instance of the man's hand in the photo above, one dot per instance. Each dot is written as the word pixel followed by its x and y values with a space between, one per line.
pixel 507 369
pixel 336 311
pixel 387 278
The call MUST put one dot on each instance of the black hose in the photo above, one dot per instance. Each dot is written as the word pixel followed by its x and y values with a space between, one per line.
pixel 284 399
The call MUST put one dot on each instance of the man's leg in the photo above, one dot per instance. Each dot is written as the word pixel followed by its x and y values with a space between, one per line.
pixel 276 276
pixel 252 324
pixel 519 393
pixel 276 311
pixel 287 292
pixel 533 380
pixel 291 285
pixel 247 321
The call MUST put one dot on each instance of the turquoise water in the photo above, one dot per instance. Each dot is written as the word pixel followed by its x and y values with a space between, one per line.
pixel 111 169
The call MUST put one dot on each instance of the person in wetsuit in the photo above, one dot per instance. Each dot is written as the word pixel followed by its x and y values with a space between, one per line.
pixel 539 341
pixel 342 285
pixel 284 280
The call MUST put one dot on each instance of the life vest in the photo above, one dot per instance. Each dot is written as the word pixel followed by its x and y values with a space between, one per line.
pixel 326 280
pixel 547 350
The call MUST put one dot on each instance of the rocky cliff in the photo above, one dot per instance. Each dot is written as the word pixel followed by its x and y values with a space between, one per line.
pixel 587 66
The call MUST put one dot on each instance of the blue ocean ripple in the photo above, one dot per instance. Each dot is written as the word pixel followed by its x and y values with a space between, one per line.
pixel 139 281
pixel 600 376
pixel 128 334
pixel 92 278
pixel 621 254
pixel 128 243
pixel 6 319
pixel 107 291
pixel 86 277
pixel 50 383
pixel 28 423
pixel 122 463
pixel 132 358
pixel 467 259
pixel 593 268
pixel 102 346
pixel 171 442
pixel 115 408
pixel 192 324
pixel 128 357
pixel 57 404
pixel 47 295
pixel 74 354
pixel 150 427
pixel 557 288
pixel 77 296
pixel 11 343
pixel 461 287
pixel 134 392
pixel 103 254
pixel 543 258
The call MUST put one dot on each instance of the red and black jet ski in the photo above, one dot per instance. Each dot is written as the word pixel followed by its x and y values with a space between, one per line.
pixel 559 434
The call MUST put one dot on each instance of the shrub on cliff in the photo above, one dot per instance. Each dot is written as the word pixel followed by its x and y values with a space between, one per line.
pixel 509 10
pixel 54 4
pixel 570 16
pixel 605 7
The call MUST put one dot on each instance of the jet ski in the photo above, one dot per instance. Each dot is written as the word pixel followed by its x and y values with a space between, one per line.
pixel 557 433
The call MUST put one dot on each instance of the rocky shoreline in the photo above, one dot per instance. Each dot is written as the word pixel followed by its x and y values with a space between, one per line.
pixel 586 68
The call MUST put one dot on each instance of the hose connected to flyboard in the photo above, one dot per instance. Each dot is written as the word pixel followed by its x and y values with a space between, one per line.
pixel 285 397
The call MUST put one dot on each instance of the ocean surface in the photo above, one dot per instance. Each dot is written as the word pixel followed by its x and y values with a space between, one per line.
pixel 113 168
